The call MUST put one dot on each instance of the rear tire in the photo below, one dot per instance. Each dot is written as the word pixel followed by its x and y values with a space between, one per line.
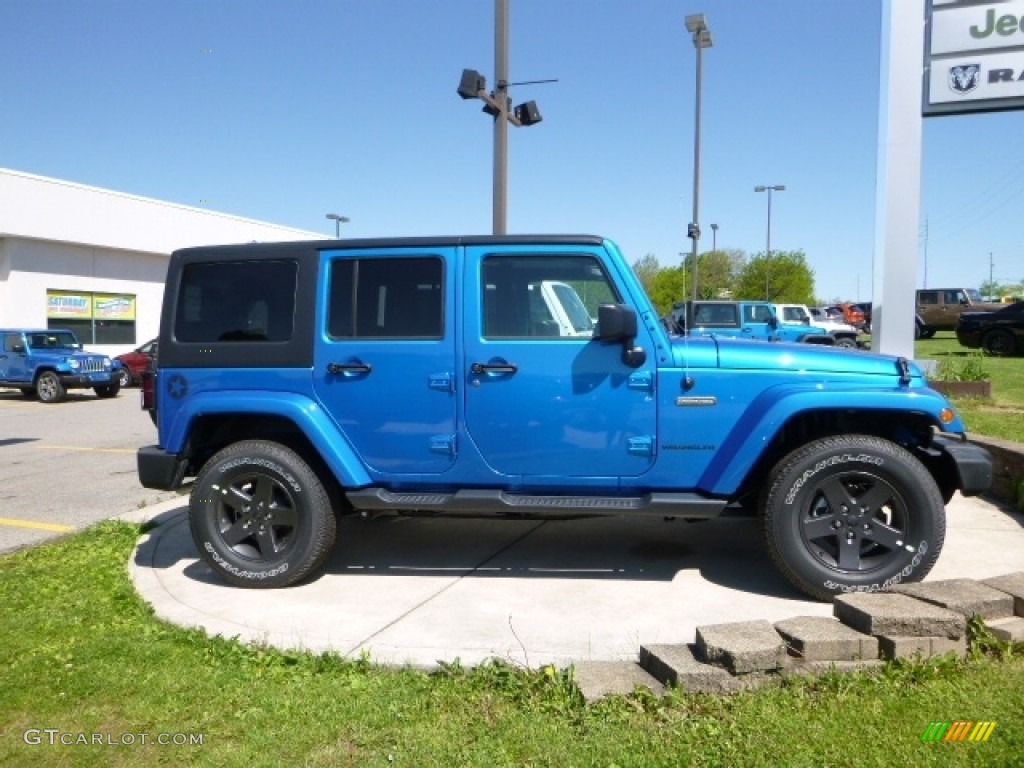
pixel 260 517
pixel 124 378
pixel 854 513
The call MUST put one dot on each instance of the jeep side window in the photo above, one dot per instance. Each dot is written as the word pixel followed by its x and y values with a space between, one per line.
pixel 928 297
pixel 542 296
pixel 236 301
pixel 386 298
pixel 12 341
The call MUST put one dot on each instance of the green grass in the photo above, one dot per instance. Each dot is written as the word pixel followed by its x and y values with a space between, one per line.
pixel 1003 414
pixel 81 653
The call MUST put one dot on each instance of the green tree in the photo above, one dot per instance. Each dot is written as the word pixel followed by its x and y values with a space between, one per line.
pixel 717 272
pixel 670 285
pixel 782 277
pixel 646 269
pixel 992 290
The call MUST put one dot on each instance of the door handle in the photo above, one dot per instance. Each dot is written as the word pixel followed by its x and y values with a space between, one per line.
pixel 503 367
pixel 356 366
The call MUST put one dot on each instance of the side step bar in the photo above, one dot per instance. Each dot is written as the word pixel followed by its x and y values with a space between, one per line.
pixel 496 502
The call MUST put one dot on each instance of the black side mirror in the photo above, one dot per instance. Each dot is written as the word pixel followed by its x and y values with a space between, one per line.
pixel 18 349
pixel 617 322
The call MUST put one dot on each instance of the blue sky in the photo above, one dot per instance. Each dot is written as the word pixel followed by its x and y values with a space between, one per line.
pixel 285 111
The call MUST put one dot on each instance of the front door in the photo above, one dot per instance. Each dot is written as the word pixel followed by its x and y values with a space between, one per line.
pixel 543 397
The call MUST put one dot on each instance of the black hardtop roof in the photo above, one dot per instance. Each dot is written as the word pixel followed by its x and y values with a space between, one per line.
pixel 396 242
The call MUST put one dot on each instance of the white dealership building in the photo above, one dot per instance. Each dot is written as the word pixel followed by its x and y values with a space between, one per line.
pixel 94 260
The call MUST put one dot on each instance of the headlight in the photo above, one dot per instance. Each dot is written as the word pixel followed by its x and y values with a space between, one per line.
pixel 73 364
pixel 106 363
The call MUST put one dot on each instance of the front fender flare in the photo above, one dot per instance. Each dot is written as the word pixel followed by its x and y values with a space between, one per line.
pixel 770 411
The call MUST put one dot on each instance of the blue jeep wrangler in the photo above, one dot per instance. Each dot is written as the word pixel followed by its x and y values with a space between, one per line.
pixel 460 376
pixel 48 362
pixel 743 320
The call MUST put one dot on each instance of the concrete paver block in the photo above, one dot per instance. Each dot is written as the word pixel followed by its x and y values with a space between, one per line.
pixel 798 666
pixel 905 647
pixel 889 613
pixel 1012 584
pixel 599 679
pixel 679 665
pixel 819 638
pixel 964 596
pixel 1009 630
pixel 743 646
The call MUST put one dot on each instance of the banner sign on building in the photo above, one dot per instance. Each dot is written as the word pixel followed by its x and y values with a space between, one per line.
pixel 68 305
pixel 974 56
pixel 88 306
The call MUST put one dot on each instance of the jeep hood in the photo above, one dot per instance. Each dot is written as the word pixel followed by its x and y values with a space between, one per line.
pixel 749 355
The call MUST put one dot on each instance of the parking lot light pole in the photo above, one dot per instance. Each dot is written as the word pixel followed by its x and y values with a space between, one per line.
pixel 768 240
pixel 473 85
pixel 338 221
pixel 714 238
pixel 697 25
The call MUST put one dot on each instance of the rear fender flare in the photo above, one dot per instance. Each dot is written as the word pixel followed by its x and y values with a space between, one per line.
pixel 306 414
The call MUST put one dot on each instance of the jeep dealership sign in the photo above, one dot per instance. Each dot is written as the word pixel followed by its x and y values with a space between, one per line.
pixel 974 56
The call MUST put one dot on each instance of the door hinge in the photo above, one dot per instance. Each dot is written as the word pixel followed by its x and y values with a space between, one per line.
pixel 642 381
pixel 442 382
pixel 443 444
pixel 641 446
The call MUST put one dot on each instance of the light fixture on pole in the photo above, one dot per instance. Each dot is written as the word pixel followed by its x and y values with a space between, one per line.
pixel 473 85
pixel 697 25
pixel 714 238
pixel 338 221
pixel 768 240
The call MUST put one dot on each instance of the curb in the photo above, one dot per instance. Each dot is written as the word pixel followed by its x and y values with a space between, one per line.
pixel 913 620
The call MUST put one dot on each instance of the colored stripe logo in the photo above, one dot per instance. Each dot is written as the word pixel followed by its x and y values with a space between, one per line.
pixel 958 730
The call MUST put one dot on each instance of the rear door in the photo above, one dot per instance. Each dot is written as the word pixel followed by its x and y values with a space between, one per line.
pixel 540 403
pixel 12 363
pixel 384 360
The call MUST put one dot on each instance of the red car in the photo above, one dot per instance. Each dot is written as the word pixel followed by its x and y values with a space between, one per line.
pixel 135 362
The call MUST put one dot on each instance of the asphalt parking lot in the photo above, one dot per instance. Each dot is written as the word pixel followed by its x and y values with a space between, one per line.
pixel 64 466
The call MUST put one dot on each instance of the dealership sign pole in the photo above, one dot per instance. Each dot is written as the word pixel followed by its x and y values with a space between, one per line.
pixel 973 62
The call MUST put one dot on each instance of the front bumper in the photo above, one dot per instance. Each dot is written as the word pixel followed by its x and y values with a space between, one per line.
pixel 973 463
pixel 79 380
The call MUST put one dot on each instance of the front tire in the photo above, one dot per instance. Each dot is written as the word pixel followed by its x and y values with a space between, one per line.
pixel 124 378
pixel 259 515
pixel 853 514
pixel 107 390
pixel 49 388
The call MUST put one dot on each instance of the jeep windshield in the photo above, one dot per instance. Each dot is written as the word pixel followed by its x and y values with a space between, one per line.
pixel 53 340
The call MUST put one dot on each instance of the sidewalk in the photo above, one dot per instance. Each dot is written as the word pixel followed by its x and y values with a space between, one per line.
pixel 418 591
